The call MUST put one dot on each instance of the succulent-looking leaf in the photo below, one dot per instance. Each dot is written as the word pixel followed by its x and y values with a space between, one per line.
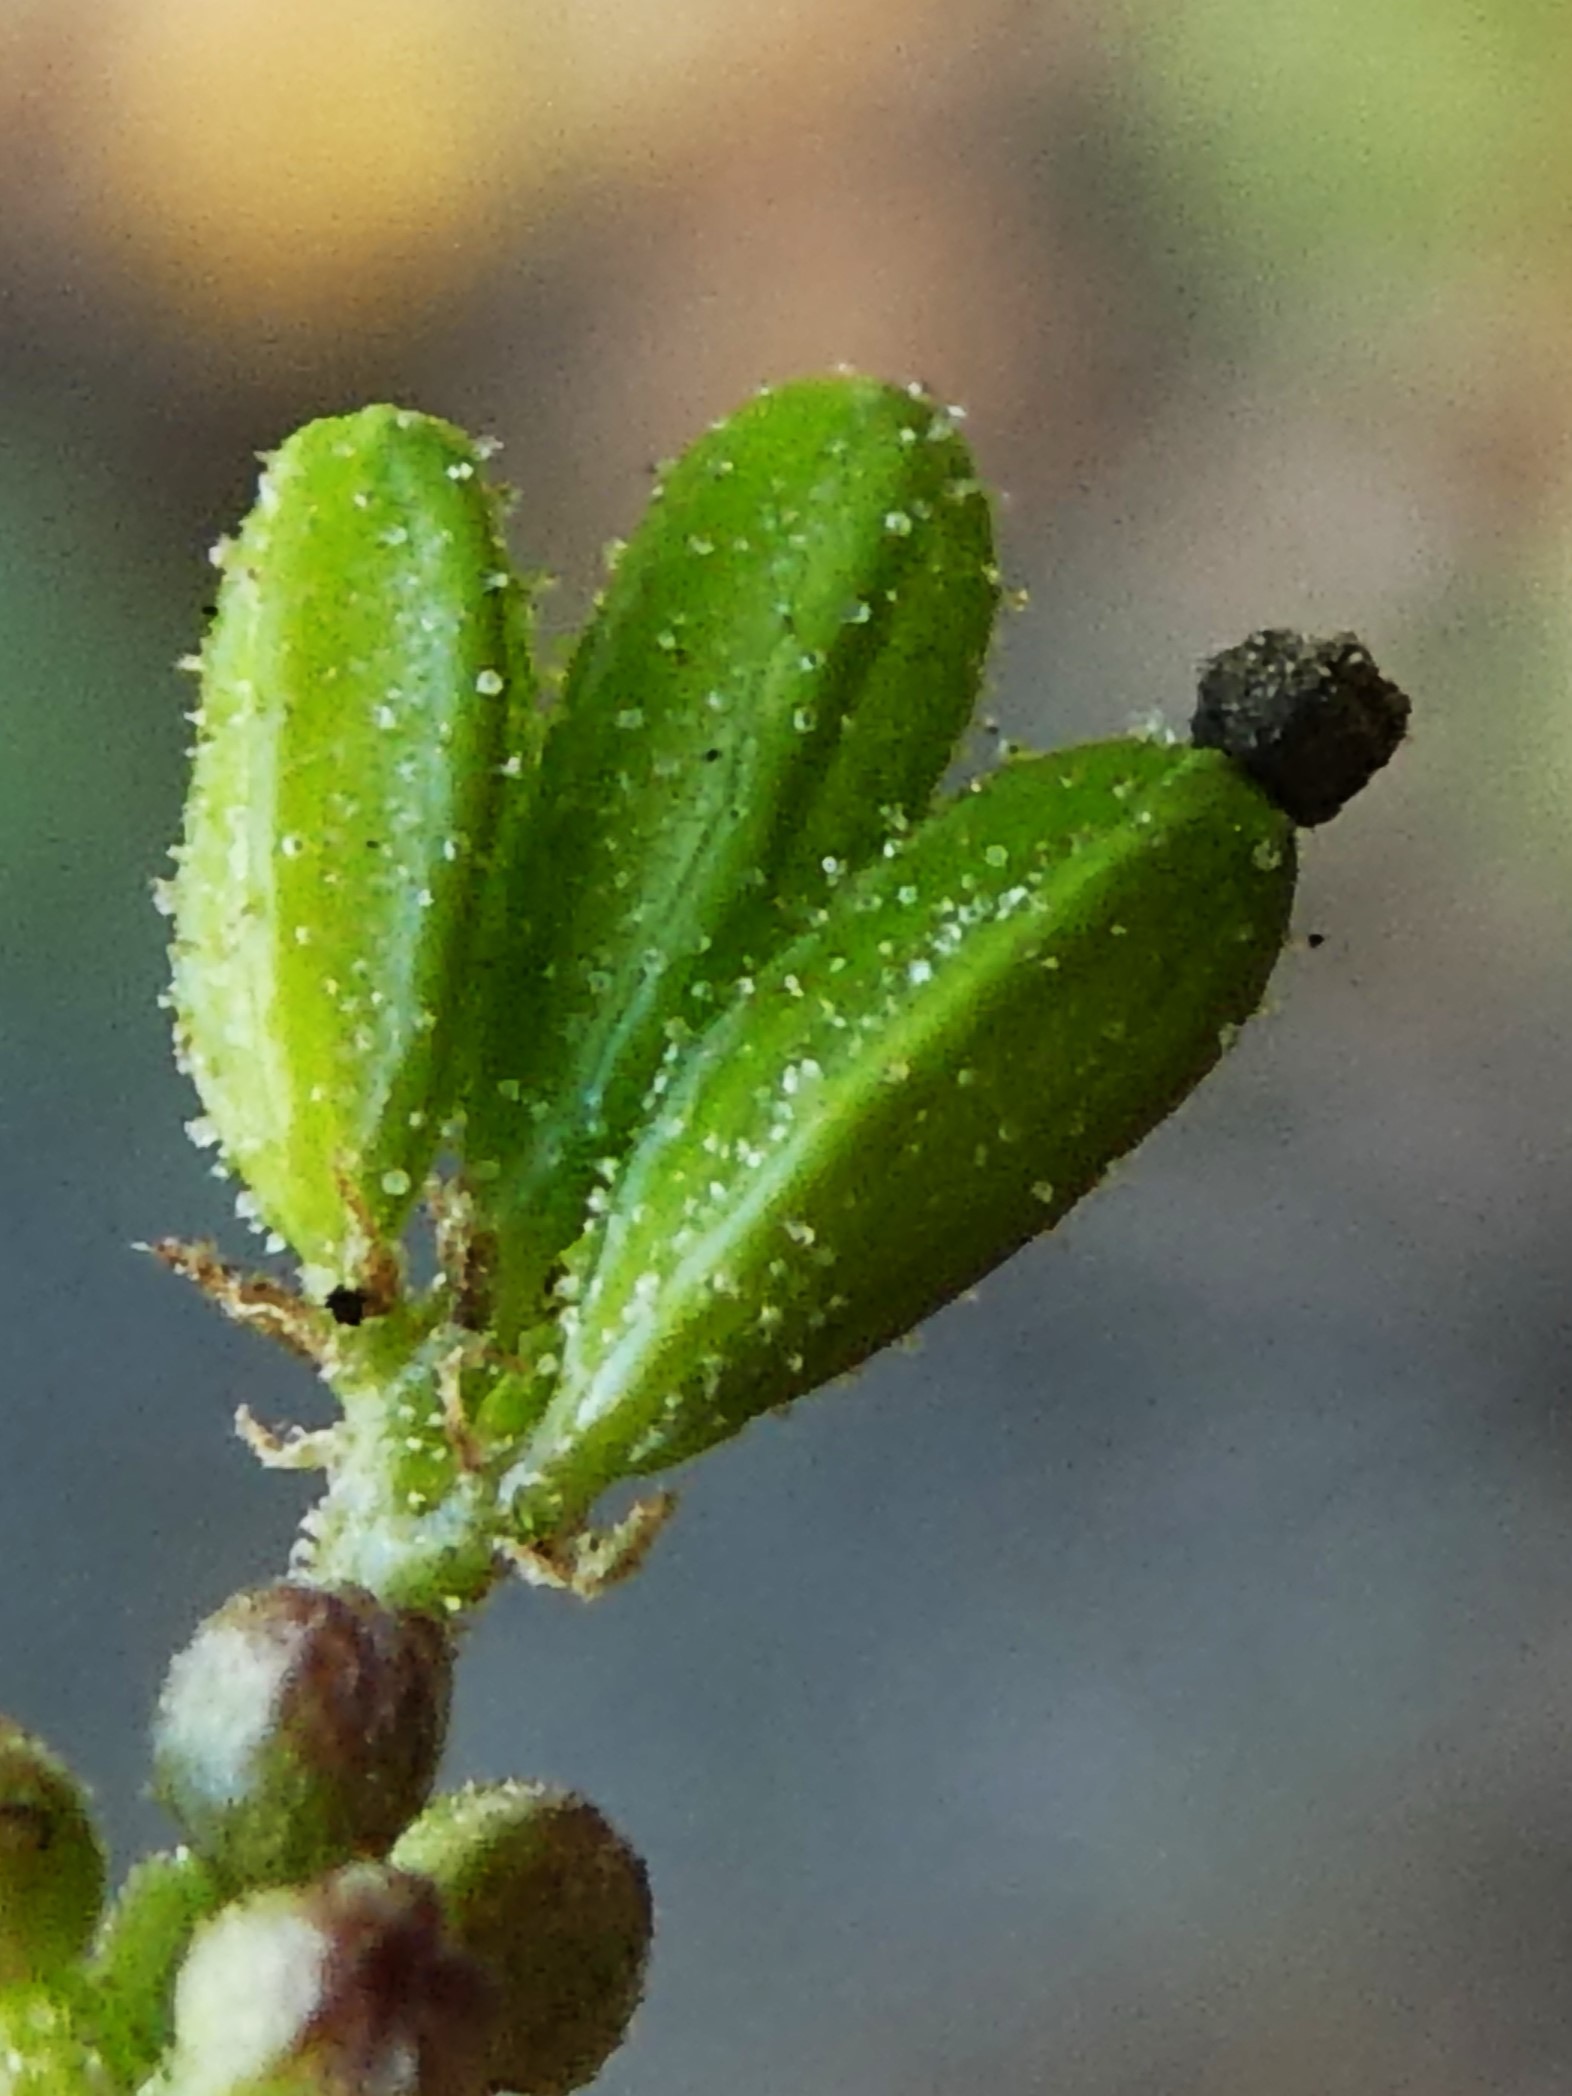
pixel 52 1864
pixel 360 687
pixel 551 1901
pixel 301 1727
pixel 987 1017
pixel 783 662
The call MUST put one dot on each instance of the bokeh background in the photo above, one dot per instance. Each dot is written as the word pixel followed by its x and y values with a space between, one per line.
pixel 1162 1681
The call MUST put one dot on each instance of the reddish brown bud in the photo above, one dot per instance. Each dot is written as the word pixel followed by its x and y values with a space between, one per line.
pixel 301 1728
pixel 331 1989
pixel 551 1900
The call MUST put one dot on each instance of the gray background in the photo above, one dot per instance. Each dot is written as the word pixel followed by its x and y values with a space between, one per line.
pixel 1160 1681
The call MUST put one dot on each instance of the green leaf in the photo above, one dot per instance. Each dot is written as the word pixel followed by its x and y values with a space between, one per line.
pixel 984 1021
pixel 360 687
pixel 783 662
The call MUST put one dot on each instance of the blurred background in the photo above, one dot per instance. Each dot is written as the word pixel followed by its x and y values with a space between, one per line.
pixel 1162 1681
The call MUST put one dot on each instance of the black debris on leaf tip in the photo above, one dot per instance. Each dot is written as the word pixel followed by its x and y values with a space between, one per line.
pixel 1311 721
pixel 348 1306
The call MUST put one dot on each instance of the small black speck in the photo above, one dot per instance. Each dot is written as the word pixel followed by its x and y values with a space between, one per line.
pixel 710 756
pixel 1315 939
pixel 347 1306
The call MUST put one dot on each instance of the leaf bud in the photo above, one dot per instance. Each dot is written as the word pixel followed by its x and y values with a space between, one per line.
pixel 52 1862
pixel 551 1900
pixel 300 1728
pixel 336 1988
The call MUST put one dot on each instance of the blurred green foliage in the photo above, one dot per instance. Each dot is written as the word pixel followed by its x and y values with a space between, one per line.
pixel 1342 135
